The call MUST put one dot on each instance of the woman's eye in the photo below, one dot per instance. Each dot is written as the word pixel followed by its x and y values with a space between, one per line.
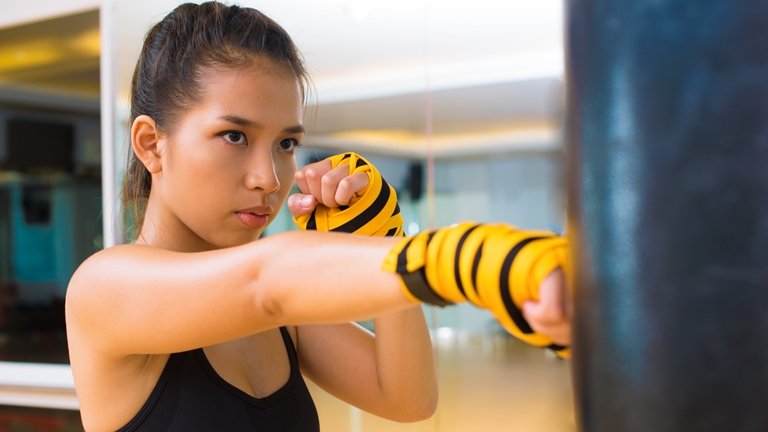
pixel 289 145
pixel 237 138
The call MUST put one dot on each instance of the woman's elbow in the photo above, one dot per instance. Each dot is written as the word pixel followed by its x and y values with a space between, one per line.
pixel 417 411
pixel 427 411
pixel 268 304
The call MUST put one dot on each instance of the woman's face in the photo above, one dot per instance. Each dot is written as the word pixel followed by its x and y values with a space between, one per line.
pixel 229 163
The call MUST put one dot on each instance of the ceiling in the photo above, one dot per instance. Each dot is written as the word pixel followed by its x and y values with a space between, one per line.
pixel 492 68
pixel 60 55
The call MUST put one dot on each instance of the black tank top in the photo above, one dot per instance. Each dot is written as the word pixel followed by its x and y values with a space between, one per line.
pixel 190 396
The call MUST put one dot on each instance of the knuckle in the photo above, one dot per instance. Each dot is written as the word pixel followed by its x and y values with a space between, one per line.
pixel 327 180
pixel 342 198
pixel 547 313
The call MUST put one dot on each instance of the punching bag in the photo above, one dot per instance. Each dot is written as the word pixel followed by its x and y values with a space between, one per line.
pixel 667 139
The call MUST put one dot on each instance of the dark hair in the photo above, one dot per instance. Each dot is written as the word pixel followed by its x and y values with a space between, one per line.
pixel 176 51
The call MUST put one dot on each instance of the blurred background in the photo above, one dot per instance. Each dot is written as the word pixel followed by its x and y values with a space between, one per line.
pixel 458 103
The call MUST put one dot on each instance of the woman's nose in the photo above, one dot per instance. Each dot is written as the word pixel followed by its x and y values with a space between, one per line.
pixel 262 174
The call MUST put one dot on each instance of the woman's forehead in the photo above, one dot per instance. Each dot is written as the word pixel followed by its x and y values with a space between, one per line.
pixel 251 79
pixel 245 93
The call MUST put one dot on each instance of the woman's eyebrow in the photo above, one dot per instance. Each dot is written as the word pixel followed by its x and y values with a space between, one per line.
pixel 250 123
pixel 238 121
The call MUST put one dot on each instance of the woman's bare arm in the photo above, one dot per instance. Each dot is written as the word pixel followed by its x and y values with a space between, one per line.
pixel 391 375
pixel 145 300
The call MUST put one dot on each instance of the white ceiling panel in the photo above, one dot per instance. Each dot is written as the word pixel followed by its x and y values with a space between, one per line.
pixel 362 49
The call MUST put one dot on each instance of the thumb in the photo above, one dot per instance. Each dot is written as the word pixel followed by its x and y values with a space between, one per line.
pixel 300 204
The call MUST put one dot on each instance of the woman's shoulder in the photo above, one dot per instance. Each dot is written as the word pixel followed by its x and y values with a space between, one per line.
pixel 106 268
pixel 100 263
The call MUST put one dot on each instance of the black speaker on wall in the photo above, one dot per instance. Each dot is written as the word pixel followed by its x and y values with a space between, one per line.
pixel 415 180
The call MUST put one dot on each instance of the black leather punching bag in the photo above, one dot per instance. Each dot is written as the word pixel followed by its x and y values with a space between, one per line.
pixel 667 136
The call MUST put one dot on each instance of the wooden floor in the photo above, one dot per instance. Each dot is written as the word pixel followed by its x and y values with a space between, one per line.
pixel 488 383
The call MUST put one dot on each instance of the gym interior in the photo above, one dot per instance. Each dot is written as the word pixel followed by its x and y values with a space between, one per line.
pixel 469 111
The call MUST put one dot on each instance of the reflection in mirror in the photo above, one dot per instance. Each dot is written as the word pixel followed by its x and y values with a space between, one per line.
pixel 50 185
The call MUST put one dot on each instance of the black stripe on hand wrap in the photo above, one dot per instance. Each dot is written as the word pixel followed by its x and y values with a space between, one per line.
pixel 557 348
pixel 456 262
pixel 369 213
pixel 312 223
pixel 506 294
pixel 416 281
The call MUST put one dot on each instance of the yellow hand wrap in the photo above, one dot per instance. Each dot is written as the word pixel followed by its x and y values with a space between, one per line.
pixel 496 267
pixel 372 211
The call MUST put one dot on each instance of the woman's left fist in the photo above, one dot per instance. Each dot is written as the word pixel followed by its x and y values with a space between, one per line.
pixel 321 183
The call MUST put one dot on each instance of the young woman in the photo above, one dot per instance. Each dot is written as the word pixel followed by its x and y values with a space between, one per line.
pixel 197 326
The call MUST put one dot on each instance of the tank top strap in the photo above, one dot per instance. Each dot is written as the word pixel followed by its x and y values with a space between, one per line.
pixel 291 349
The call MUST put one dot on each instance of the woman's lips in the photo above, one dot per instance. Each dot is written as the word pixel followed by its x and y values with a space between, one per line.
pixel 251 220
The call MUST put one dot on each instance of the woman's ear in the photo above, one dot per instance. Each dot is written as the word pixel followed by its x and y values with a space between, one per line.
pixel 144 139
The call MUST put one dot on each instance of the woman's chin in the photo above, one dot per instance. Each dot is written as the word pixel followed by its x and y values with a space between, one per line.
pixel 221 240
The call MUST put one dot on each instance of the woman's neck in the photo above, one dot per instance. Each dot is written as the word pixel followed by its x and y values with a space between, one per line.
pixel 161 228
